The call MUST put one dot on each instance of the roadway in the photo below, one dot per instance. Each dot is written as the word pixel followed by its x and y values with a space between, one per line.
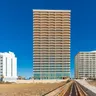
pixel 71 88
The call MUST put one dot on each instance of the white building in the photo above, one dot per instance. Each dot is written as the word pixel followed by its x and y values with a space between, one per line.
pixel 8 67
pixel 85 65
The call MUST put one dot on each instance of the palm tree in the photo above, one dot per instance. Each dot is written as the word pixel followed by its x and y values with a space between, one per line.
pixel 30 77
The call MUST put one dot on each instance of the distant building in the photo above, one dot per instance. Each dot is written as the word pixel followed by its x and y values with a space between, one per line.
pixel 8 67
pixel 85 65
pixel 51 44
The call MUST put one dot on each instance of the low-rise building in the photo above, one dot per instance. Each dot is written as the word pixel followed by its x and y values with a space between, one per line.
pixel 8 67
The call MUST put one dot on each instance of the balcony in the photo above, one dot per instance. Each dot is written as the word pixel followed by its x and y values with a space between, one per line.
pixel 56 52
pixel 62 16
pixel 36 33
pixel 52 15
pixel 44 15
pixel 36 12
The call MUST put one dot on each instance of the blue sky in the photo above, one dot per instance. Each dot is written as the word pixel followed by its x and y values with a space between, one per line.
pixel 16 28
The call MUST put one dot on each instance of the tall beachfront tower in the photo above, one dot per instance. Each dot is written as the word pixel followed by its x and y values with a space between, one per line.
pixel 85 65
pixel 8 67
pixel 51 44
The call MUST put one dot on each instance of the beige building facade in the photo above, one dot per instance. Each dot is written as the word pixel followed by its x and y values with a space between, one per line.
pixel 51 44
pixel 85 65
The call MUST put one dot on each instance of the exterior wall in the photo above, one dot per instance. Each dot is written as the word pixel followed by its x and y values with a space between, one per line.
pixel 9 69
pixel 15 67
pixel 1 65
pixel 85 63
pixel 51 44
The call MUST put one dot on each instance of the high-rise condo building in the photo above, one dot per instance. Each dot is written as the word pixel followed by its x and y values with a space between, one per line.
pixel 8 67
pixel 85 65
pixel 51 44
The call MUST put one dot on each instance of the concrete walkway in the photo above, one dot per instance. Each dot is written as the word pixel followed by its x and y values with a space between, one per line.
pixel 87 85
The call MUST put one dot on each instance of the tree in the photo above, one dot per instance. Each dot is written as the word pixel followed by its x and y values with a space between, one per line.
pixel 21 78
pixel 30 77
pixel 2 77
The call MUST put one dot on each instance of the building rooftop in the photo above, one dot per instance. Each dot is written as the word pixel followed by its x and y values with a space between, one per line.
pixel 87 51
pixel 92 51
pixel 8 53
pixel 52 10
